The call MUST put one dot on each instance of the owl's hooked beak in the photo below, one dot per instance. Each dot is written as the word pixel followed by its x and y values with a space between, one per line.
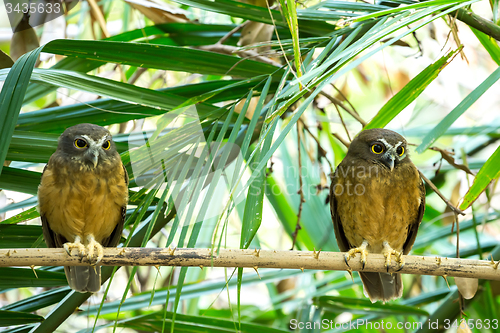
pixel 388 159
pixel 93 156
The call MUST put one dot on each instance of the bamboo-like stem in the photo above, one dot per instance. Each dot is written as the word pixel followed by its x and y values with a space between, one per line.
pixel 481 269
pixel 477 22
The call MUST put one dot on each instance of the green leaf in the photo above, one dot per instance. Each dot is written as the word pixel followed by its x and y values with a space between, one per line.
pixel 39 300
pixel 114 89
pixel 154 56
pixel 464 105
pixel 258 14
pixel 190 290
pixel 409 92
pixel 26 277
pixel 20 180
pixel 489 172
pixel 32 146
pixel 10 318
pixel 29 214
pixel 254 203
pixel 489 44
pixel 19 236
pixel 11 98
pixel 57 119
pixel 158 321
pixel 290 13
pixel 414 6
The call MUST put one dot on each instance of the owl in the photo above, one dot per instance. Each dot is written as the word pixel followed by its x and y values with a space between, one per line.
pixel 82 200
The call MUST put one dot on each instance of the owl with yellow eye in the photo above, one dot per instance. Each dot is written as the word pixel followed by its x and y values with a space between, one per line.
pixel 82 200
pixel 383 213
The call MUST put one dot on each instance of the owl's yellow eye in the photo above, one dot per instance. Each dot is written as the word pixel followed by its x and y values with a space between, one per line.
pixel 377 148
pixel 106 145
pixel 80 143
pixel 400 151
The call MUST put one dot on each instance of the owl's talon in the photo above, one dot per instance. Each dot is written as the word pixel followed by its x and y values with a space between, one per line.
pixel 400 261
pixel 352 253
pixel 95 251
pixel 388 252
pixel 346 260
pixel 68 247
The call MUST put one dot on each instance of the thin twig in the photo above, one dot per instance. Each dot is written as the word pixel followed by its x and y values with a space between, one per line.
pixel 321 151
pixel 232 32
pixel 343 123
pixel 430 265
pixel 300 192
pixel 454 30
pixel 338 102
pixel 454 209
pixel 338 137
pixel 244 54
pixel 345 98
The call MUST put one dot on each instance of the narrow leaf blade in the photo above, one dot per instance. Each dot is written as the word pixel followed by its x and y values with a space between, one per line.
pixel 464 105
pixel 409 92
pixel 489 171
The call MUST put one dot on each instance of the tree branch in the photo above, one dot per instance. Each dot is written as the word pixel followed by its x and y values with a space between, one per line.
pixel 454 209
pixel 481 269
pixel 477 22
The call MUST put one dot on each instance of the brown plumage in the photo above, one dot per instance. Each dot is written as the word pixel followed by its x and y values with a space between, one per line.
pixel 377 201
pixel 82 200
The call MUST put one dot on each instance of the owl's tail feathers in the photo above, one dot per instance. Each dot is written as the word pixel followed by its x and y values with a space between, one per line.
pixel 84 278
pixel 382 286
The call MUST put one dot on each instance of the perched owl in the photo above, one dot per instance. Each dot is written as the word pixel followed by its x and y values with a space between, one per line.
pixel 82 200
pixel 377 201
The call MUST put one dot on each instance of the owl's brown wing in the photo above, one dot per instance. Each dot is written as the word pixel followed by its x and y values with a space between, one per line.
pixel 413 229
pixel 114 239
pixel 342 241
pixel 51 238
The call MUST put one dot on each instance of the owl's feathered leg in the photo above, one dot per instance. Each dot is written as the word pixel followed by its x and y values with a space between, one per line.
pixel 361 250
pixel 388 252
pixel 77 244
pixel 95 251
pixel 82 278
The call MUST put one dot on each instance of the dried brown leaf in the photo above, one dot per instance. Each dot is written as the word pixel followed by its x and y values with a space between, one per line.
pixel 24 39
pixel 159 12
pixel 5 60
pixel 466 286
pixel 446 155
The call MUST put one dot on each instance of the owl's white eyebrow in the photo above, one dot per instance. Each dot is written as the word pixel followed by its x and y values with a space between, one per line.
pixel 387 144
pixel 99 143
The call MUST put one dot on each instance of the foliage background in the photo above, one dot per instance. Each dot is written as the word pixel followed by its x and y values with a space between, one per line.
pixel 129 65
